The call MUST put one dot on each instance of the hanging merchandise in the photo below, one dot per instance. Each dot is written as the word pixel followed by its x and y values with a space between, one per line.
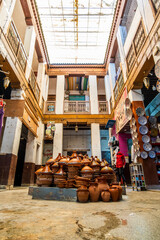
pixel 158 85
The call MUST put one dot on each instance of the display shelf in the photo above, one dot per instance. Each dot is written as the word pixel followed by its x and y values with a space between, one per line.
pixel 137 177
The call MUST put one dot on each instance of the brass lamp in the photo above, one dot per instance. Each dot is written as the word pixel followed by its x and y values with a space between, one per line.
pixel 146 82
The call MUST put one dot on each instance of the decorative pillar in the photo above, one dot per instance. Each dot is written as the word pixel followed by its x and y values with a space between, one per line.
pixel 149 166
pixel 93 94
pixel 121 51
pixel 9 150
pixel 107 91
pixel 58 140
pixel 112 74
pixel 41 80
pixel 29 45
pixel 60 94
pixel 30 158
pixel 95 140
pixel 6 10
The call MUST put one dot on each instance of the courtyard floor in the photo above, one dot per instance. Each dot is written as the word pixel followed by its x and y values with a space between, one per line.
pixel 136 217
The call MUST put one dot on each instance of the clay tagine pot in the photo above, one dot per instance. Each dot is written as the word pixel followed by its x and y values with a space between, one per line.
pixel 50 161
pixel 97 159
pixel 114 193
pixel 74 154
pixel 95 165
pixel 87 172
pixel 85 162
pixel 115 184
pixel 82 194
pixel 81 181
pixel 104 163
pixel 58 158
pixel 74 162
pixel 45 177
pixel 106 170
pixel 54 167
pixel 94 192
pixel 39 170
pixel 80 156
pixel 105 195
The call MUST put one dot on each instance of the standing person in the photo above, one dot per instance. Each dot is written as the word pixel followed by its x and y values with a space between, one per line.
pixel 120 165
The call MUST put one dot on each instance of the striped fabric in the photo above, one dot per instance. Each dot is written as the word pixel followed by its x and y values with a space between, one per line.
pixel 76 83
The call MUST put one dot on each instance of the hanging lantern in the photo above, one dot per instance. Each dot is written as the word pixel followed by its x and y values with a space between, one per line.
pixel 158 85
pixel 6 82
pixel 146 82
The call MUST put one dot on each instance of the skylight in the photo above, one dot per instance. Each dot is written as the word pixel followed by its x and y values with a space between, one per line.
pixel 76 31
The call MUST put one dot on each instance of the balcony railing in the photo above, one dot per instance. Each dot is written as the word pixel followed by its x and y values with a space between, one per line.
pixel 156 5
pixel 136 46
pixel 103 107
pixel 119 85
pixel 17 46
pixel 34 86
pixel 76 107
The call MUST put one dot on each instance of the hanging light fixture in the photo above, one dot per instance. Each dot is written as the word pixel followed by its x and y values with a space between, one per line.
pixel 6 82
pixel 146 82
pixel 76 128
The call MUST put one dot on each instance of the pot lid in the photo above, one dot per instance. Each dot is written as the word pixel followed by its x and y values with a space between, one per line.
pixel 87 169
pixel 81 179
pixel 74 161
pixel 107 169
pixel 60 172
pixel 47 169
pixel 85 161
pixel 50 161
pixel 39 170
pixel 63 161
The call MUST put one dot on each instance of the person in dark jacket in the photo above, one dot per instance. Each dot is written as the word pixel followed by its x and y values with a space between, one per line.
pixel 120 165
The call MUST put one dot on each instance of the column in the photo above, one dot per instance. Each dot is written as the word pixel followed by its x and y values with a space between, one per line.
pixel 121 51
pixel 107 91
pixel 93 94
pixel 58 140
pixel 95 140
pixel 29 45
pixel 9 150
pixel 60 94
pixel 6 10
pixel 112 74
pixel 41 80
pixel 30 158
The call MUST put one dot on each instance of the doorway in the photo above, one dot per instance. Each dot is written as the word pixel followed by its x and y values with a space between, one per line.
pixel 21 156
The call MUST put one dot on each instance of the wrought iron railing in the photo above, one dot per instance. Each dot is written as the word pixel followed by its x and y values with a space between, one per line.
pixel 103 107
pixel 76 107
pixel 17 45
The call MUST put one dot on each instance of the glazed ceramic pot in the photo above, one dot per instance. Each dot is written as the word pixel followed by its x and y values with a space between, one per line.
pixel 105 195
pixel 87 172
pixel 97 159
pixel 94 192
pixel 64 162
pixel 80 156
pixel 82 195
pixel 39 170
pixel 106 170
pixel 119 190
pixel 50 161
pixel 104 163
pixel 102 184
pixel 114 193
pixel 95 165
pixel 61 183
pixel 59 175
pixel 70 183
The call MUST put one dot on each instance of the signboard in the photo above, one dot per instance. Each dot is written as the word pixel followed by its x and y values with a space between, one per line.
pixel 120 116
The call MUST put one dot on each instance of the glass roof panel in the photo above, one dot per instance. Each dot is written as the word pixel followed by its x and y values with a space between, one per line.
pixel 76 31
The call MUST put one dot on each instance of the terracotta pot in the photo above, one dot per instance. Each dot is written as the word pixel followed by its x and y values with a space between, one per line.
pixel 87 172
pixel 81 156
pixel 45 177
pixel 94 192
pixel 107 169
pixel 86 162
pixel 39 170
pixel 82 195
pixel 95 165
pixel 114 193
pixel 58 158
pixel 102 184
pixel 80 181
pixel 105 195
pixel 74 162
pixel 119 190
pixel 104 163
pixel 97 159
pixel 54 167
pixel 50 161
pixel 74 154
pixel 61 183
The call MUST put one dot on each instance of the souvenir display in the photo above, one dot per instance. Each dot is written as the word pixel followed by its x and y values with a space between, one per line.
pixel 154 132
pixel 143 130
pixel 147 147
pixel 134 128
pixel 135 134
pixel 152 120
pixel 133 121
pixel 128 113
pixel 152 154
pixel 142 120
pixel 127 103
pixel 144 155
pixel 145 138
pixel 140 111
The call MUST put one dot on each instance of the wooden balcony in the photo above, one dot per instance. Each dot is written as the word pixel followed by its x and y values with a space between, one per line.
pixel 34 85
pixel 82 107
pixel 119 86
pixel 17 45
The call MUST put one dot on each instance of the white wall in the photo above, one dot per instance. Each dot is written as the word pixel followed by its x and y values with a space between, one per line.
pixel 52 86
